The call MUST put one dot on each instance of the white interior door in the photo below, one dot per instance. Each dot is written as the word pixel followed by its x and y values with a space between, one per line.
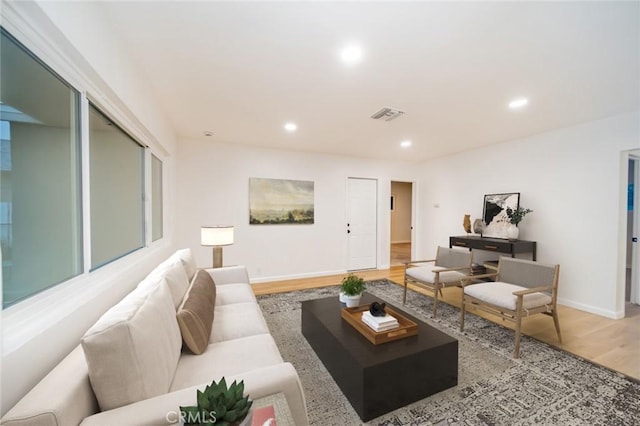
pixel 362 223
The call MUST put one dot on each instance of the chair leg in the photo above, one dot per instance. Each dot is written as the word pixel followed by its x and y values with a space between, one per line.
pixel 404 298
pixel 462 312
pixel 556 322
pixel 435 301
pixel 516 351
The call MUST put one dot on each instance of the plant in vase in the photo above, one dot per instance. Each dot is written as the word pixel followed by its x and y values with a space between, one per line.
pixel 351 290
pixel 219 405
pixel 514 218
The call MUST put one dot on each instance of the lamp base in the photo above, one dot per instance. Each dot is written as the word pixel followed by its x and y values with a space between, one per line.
pixel 217 257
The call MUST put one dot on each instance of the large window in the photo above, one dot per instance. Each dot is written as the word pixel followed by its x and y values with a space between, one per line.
pixel 42 154
pixel 40 205
pixel 117 190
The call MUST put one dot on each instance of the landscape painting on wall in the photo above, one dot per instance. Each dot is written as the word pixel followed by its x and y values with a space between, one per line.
pixel 280 201
pixel 494 213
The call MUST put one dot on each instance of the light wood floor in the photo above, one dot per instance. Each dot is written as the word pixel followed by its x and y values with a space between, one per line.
pixel 614 344
pixel 400 253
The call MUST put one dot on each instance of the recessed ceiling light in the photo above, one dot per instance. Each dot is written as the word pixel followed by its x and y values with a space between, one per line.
pixel 207 133
pixel 291 127
pixel 405 144
pixel 351 54
pixel 518 103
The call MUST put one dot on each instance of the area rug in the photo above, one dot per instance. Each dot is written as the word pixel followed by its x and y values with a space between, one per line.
pixel 545 386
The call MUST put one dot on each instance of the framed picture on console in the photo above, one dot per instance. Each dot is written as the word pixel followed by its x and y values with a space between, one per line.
pixel 494 213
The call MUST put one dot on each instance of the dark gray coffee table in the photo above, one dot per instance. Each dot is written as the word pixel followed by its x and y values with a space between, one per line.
pixel 377 379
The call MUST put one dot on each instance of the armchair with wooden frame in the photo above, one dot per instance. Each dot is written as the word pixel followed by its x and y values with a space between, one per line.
pixel 522 288
pixel 449 268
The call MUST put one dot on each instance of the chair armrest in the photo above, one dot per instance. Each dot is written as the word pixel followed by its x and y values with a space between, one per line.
pixel 532 290
pixel 412 262
pixel 451 269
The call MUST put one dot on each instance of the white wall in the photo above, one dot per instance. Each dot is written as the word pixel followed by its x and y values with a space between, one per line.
pixel 39 332
pixel 213 185
pixel 571 179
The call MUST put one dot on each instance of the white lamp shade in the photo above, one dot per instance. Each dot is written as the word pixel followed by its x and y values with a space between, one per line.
pixel 216 235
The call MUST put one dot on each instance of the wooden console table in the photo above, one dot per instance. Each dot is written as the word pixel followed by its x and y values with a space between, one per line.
pixel 494 244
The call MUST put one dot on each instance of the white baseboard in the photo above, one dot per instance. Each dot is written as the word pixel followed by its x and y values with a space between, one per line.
pixel 591 309
pixel 307 275
pixel 296 276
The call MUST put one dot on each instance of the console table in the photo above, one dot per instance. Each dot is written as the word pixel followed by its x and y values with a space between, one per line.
pixel 494 244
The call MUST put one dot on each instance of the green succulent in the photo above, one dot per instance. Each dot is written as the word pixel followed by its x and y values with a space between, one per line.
pixel 218 405
pixel 352 285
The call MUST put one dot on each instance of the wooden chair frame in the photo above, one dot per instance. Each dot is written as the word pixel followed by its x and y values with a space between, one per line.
pixel 516 315
pixel 435 287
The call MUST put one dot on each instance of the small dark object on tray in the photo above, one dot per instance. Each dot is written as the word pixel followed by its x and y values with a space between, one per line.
pixel 377 309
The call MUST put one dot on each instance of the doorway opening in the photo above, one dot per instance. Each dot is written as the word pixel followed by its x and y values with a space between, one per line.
pixel 401 205
pixel 632 280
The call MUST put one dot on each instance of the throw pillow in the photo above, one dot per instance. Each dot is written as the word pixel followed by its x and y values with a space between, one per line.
pixel 195 315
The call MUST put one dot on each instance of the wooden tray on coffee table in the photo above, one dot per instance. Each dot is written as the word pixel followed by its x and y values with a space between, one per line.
pixel 405 328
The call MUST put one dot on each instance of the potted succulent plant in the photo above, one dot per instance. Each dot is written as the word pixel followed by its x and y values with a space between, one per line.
pixel 219 405
pixel 351 290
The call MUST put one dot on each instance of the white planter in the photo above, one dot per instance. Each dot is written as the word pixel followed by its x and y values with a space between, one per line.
pixel 342 297
pixel 513 232
pixel 352 301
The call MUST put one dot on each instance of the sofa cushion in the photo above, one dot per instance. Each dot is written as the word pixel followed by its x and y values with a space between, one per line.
pixel 173 272
pixel 236 293
pixel 501 294
pixel 237 321
pixel 133 349
pixel 188 261
pixel 195 315
pixel 231 357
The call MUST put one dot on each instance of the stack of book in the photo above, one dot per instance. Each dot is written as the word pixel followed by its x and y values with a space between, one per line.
pixel 379 324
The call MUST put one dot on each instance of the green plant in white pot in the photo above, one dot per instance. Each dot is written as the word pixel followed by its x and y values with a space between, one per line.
pixel 219 405
pixel 514 218
pixel 351 290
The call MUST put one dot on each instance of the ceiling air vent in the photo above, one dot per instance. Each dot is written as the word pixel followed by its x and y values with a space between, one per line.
pixel 387 114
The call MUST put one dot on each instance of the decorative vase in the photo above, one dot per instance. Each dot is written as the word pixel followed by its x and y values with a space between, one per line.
pixel 477 226
pixel 513 232
pixel 466 223
pixel 352 301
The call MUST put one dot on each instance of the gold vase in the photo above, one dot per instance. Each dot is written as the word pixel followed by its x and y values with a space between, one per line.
pixel 466 223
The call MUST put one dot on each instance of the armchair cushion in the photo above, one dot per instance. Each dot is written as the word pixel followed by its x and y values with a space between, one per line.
pixel 427 274
pixel 501 294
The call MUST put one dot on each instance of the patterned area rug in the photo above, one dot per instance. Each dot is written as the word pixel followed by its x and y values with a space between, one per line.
pixel 545 386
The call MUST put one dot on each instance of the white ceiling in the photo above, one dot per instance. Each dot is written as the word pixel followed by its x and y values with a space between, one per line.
pixel 242 69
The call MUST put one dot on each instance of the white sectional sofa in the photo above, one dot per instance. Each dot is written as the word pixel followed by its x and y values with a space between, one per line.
pixel 131 367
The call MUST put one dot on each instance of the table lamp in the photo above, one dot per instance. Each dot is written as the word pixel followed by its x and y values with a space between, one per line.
pixel 216 237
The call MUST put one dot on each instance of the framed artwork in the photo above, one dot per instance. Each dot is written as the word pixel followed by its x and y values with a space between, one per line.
pixel 280 201
pixel 494 213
